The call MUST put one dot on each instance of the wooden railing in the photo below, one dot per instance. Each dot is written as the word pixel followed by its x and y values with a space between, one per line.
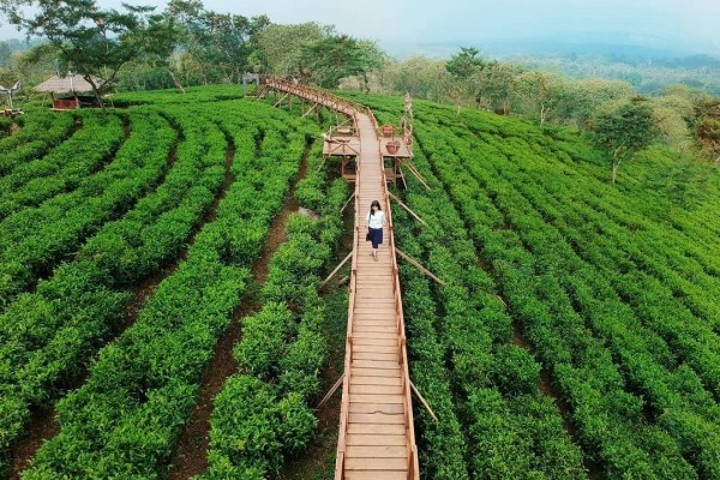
pixel 345 405
pixel 352 110
pixel 413 464
pixel 317 95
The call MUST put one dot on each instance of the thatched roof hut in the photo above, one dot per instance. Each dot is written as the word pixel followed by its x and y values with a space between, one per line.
pixel 69 92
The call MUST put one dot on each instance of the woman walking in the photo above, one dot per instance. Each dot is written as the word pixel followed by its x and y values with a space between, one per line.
pixel 375 221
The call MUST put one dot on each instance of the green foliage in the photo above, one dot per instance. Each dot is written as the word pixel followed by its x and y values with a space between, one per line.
pixel 64 168
pixel 337 56
pixel 126 418
pixel 283 348
pixel 465 63
pixel 249 436
pixel 611 290
pixel 625 132
pixel 39 135
pixel 87 39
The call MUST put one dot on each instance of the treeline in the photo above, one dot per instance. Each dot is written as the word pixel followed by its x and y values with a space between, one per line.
pixel 683 117
pixel 647 74
pixel 182 45
pixel 186 44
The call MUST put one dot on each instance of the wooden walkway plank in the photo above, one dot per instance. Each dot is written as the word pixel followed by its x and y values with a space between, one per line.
pixel 376 439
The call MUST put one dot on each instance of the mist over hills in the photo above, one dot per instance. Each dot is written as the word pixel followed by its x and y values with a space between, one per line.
pixel 627 46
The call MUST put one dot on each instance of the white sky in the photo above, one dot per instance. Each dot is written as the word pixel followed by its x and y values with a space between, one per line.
pixel 472 21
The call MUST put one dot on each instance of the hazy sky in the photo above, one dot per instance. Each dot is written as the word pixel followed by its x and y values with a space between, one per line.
pixel 426 21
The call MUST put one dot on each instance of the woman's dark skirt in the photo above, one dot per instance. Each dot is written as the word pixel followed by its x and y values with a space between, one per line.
pixel 376 236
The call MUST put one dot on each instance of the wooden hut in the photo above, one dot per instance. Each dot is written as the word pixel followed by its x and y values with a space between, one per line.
pixel 69 92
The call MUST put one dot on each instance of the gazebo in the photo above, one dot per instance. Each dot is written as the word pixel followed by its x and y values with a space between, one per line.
pixel 69 92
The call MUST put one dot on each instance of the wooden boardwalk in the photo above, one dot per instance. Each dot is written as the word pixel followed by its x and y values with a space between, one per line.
pixel 376 439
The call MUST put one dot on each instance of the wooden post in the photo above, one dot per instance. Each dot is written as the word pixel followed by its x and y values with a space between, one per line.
pixel 402 175
pixel 348 202
pixel 417 175
pixel 422 400
pixel 417 265
pixel 337 269
pixel 332 390
pixel 281 99
pixel 406 208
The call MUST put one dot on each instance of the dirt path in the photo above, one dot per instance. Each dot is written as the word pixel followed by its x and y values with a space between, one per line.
pixel 191 454
pixel 317 461
pixel 43 423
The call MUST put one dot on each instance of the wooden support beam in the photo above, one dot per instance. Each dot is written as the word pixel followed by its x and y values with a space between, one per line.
pixel 501 301
pixel 347 203
pixel 417 175
pixel 407 209
pixel 402 175
pixel 332 390
pixel 417 265
pixel 422 400
pixel 322 164
pixel 337 269
pixel 281 99
pixel 310 110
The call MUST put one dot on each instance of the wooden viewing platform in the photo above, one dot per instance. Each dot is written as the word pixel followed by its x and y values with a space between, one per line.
pixel 376 440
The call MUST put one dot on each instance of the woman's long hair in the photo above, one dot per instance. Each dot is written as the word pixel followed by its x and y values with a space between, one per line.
pixel 374 203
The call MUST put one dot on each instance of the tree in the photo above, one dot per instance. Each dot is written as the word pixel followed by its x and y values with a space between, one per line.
pixel 35 64
pixel 496 81
pixel 229 42
pixel 672 114
pixel 463 67
pixel 622 134
pixel 545 96
pixel 707 126
pixel 5 53
pixel 222 45
pixel 419 76
pixel 280 47
pixel 335 57
pixel 586 97
pixel 167 35
pixel 93 42
pixel 465 63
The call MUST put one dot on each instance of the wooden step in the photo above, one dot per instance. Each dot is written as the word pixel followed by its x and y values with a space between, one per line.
pixel 378 418
pixel 373 372
pixel 359 389
pixel 375 322
pixel 378 401
pixel 376 464
pixel 374 439
pixel 378 364
pixel 375 475
pixel 376 429
pixel 377 317
pixel 373 341
pixel 375 356
pixel 376 452
pixel 391 350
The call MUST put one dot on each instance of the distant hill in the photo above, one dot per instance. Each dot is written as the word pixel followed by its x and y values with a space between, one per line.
pixel 649 63
pixel 626 45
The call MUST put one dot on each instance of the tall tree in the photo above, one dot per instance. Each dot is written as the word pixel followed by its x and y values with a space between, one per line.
pixel 230 41
pixel 338 56
pixel 222 45
pixel 465 63
pixel 622 134
pixel 90 40
pixel 463 67
pixel 496 81
pixel 280 47
pixel 167 34
pixel 5 53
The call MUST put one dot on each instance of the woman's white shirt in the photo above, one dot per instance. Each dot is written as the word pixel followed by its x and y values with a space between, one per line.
pixel 377 220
